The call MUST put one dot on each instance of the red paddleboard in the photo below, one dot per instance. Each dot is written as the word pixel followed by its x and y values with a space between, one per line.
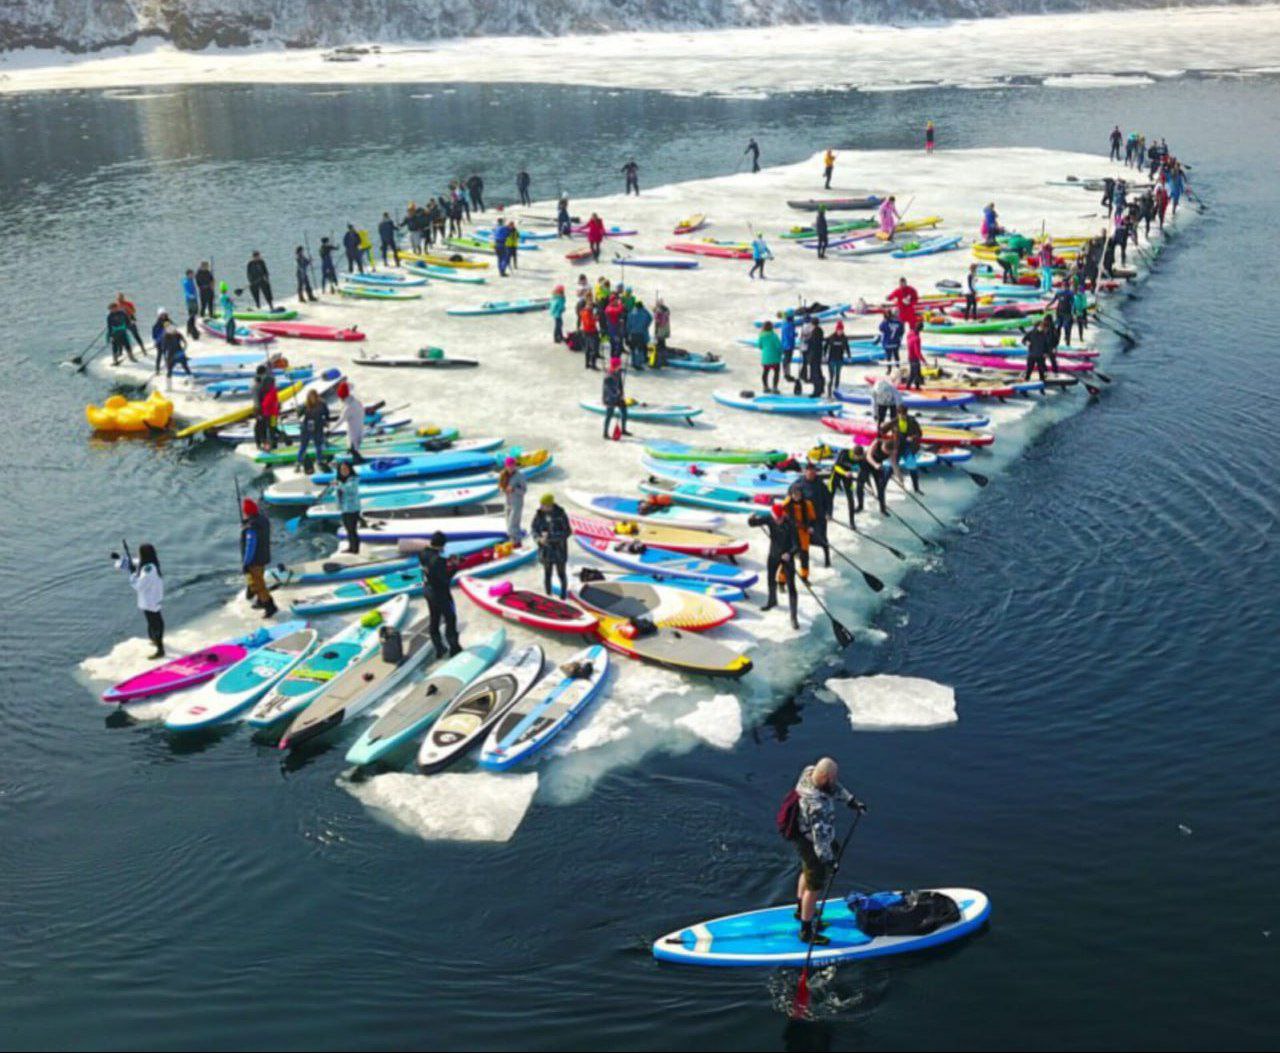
pixel 526 606
pixel 697 248
pixel 303 331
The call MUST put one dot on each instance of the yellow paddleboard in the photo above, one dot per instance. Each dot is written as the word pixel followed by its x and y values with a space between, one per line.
pixel 236 415
pixel 673 649
pixel 443 261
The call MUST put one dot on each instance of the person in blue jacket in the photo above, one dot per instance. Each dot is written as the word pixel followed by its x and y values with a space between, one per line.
pixel 787 334
pixel 890 339
pixel 387 236
pixel 255 554
pixel 760 254
pixel 351 244
pixel 191 294
pixel 500 233
pixel 638 321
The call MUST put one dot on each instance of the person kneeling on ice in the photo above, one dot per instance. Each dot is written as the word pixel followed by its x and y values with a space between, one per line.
pixel 784 543
pixel 437 582
pixel 808 819
pixel 255 555
pixel 148 583
pixel 551 531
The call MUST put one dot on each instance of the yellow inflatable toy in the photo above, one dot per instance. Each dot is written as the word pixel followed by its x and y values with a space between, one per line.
pixel 119 414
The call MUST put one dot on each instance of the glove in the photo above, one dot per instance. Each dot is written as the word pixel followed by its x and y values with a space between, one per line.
pixel 856 805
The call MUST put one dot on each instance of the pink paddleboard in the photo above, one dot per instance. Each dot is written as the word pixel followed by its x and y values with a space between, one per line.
pixel 303 331
pixel 1017 365
pixel 191 669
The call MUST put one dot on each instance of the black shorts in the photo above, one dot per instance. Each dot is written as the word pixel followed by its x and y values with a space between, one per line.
pixel 815 871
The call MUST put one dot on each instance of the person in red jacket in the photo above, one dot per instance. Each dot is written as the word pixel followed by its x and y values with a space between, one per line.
pixel 614 312
pixel 915 357
pixel 590 335
pixel 595 235
pixel 905 298
pixel 269 408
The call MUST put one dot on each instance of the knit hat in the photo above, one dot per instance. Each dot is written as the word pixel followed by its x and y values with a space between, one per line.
pixel 344 389
pixel 510 462
pixel 438 540
pixel 547 499
pixel 222 287
pixel 249 506
pixel 778 509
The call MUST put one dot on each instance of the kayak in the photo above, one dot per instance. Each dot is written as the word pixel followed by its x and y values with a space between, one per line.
pixel 500 307
pixel 418 361
pixel 188 670
pixel 666 450
pixel 454 528
pixel 546 710
pixel 375 279
pixel 871 249
pixel 246 411
pixel 308 681
pixel 527 607
pixel 303 331
pixel 857 926
pixel 445 274
pixel 673 649
pixel 722 499
pixel 697 248
pixel 661 563
pixel 929 247
pixel 690 542
pixel 245 334
pixel 362 685
pixel 371 292
pixel 647 411
pixel 409 502
pixel 474 711
pixel 278 314
pixel 837 204
pixel 790 404
pixel 353 566
pixel 866 431
pixel 640 510
pixel 404 721
pixel 243 684
pixel 659 604
pixel 656 262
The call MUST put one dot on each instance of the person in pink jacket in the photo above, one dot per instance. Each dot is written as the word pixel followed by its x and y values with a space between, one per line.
pixel 595 235
pixel 889 216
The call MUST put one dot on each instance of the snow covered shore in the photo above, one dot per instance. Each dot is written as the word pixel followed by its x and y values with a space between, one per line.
pixel 527 390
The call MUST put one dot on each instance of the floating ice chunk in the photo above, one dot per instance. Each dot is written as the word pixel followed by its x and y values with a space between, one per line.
pixel 463 806
pixel 895 701
pixel 717 721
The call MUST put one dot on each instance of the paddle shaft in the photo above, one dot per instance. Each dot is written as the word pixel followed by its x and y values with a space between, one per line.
pixel 802 988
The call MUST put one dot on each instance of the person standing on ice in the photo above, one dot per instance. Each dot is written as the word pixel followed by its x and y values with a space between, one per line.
pixel 822 229
pixel 638 321
pixel 437 579
pixel 632 172
pixel 351 244
pixel 522 187
pixel 787 335
pixel 1117 137
pixel 836 351
pixel 191 294
pixel 614 397
pixel 753 151
pixel 915 357
pixel 550 529
pixel 784 543
pixel 890 339
pixel 990 228
pixel 815 344
pixel 759 255
pixel 302 271
pixel 259 280
pixel 885 397
pixel 556 309
pixel 595 235
pixel 148 583
pixel 905 298
pixel 227 304
pixel 928 137
pixel 500 233
pixel 351 417
pixel 387 238
pixel 475 187
pixel 770 358
pixel 511 482
pixel 828 167
pixel 889 217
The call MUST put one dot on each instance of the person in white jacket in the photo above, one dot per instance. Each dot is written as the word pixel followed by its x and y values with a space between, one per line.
pixel 351 416
pixel 147 581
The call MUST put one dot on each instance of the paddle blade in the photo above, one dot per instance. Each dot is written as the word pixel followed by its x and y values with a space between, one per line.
pixel 876 584
pixel 843 636
pixel 800 1004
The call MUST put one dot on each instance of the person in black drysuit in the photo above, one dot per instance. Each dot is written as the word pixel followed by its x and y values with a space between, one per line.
pixel 173 349
pixel 971 294
pixel 614 397
pixel 753 151
pixel 813 356
pixel 784 543
pixel 820 228
pixel 874 467
pixel 302 265
pixel 632 171
pixel 1064 304
pixel 475 187
pixel 437 581
pixel 551 532
pixel 812 490
pixel 118 333
pixel 1108 194
pixel 351 245
pixel 387 236
pixel 1036 340
pixel 328 272
pixel 523 182
pixel 847 470
pixel 910 437
pixel 837 350
pixel 259 280
pixel 1117 137
pixel 564 222
pixel 204 283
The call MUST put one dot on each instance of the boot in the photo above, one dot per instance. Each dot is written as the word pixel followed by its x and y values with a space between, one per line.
pixel 796 914
pixel 809 935
pixel 269 609
pixel 157 653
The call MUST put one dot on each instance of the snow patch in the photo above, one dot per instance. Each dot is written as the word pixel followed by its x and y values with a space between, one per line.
pixel 881 702
pixel 717 721
pixel 465 806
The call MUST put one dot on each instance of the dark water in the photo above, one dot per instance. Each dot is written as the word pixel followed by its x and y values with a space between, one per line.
pixel 1109 624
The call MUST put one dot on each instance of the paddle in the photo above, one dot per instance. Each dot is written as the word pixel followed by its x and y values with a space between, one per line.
pixel 919 536
pixel 800 1004
pixel 928 510
pixel 295 524
pixel 79 360
pixel 977 477
pixel 843 637
pixel 874 583
pixel 897 553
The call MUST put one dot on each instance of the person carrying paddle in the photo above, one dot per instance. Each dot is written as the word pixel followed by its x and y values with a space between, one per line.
pixel 512 484
pixel 875 467
pixel 255 555
pixel 770 358
pixel 173 350
pixel 437 582
pixel 328 272
pixel 814 834
pixel 753 151
pixel 551 531
pixel 828 167
pixel 346 485
pixel 760 254
pixel 614 397
pixel 131 315
pixel 801 511
pixel 845 471
pixel 908 436
pixel 780 568
pixel 302 271
pixel 148 584
pixel 118 333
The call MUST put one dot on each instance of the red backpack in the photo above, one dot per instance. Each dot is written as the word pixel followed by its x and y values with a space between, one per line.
pixel 788 818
